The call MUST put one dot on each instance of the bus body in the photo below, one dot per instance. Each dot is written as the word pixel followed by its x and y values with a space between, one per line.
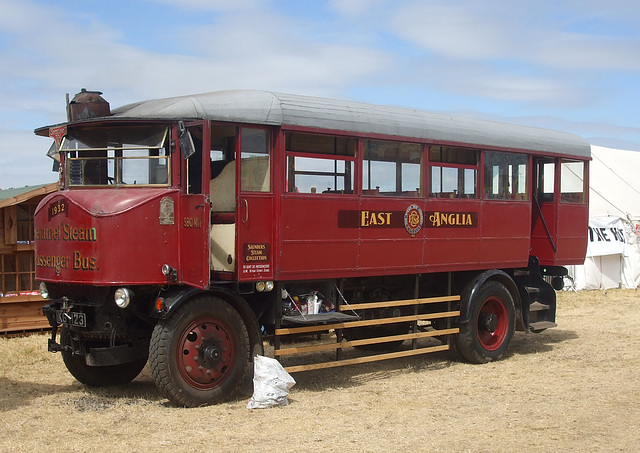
pixel 186 229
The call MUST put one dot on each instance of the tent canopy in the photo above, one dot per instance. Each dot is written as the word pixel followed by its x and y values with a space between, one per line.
pixel 614 183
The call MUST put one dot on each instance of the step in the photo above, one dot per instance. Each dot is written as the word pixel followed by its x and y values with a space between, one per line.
pixel 533 289
pixel 521 272
pixel 537 306
pixel 541 325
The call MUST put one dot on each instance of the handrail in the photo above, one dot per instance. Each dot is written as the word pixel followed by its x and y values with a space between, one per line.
pixel 544 222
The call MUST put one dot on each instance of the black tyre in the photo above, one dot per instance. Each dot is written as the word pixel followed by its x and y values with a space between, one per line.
pixel 487 335
pixel 97 376
pixel 200 353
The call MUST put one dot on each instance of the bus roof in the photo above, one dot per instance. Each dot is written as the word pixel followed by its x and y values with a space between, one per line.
pixel 278 109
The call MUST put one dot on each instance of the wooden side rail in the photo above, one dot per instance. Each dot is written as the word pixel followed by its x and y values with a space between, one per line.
pixel 366 359
pixel 399 303
pixel 364 342
pixel 369 322
pixel 340 344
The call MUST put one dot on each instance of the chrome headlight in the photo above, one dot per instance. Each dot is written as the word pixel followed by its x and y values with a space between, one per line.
pixel 123 297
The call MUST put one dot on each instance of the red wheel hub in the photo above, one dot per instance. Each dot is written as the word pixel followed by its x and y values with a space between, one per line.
pixel 206 353
pixel 493 323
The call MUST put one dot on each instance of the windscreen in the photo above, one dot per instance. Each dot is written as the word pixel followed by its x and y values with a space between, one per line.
pixel 134 155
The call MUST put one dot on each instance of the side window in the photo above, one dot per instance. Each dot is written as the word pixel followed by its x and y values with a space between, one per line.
pixel 545 182
pixel 222 187
pixel 319 163
pixel 391 168
pixel 453 172
pixel 505 176
pixel 572 182
pixel 255 166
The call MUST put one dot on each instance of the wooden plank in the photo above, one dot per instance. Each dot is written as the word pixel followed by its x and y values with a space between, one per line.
pixel 23 326
pixel 367 341
pixel 370 322
pixel 398 303
pixel 22 313
pixel 21 299
pixel 367 359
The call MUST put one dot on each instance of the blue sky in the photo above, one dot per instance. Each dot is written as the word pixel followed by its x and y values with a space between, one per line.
pixel 570 65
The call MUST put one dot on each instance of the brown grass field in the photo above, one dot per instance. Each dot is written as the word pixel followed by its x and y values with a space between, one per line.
pixel 573 388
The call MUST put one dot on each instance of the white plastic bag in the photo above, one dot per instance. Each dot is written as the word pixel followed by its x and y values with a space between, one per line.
pixel 271 384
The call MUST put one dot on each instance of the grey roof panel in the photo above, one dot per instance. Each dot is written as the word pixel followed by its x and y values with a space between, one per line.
pixel 270 108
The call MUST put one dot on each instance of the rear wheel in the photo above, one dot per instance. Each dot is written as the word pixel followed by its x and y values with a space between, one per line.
pixel 199 354
pixel 487 335
pixel 97 376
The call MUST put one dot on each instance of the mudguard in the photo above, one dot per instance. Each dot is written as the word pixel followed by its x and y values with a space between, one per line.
pixel 173 298
pixel 474 285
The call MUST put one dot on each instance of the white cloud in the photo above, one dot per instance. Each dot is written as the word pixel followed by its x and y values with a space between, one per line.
pixel 454 31
pixel 23 160
pixel 540 33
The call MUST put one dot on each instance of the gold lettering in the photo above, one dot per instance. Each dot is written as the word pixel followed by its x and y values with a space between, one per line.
pixel 451 219
pixel 257 258
pixel 364 217
pixel 370 218
pixel 56 262
pixel 84 263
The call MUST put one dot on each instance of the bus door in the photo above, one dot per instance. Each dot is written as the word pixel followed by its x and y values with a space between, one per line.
pixel 255 209
pixel 544 214
pixel 193 213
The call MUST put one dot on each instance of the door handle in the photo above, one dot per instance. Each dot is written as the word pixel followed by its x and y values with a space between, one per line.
pixel 246 211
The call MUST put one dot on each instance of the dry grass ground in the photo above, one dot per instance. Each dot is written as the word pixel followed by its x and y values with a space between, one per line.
pixel 573 388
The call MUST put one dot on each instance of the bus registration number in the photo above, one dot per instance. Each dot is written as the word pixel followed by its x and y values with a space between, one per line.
pixel 72 318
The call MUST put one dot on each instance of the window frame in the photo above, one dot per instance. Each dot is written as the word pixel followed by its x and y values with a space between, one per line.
pixel 399 173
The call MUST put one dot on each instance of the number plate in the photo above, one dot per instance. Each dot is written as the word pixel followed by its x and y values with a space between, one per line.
pixel 72 318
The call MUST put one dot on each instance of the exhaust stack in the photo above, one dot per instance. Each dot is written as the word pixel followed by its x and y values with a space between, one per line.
pixel 88 104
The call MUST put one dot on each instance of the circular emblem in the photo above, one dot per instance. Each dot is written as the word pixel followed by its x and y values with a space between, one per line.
pixel 413 219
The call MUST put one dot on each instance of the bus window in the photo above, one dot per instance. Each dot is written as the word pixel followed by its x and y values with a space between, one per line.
pixel 255 165
pixel 545 182
pixel 505 176
pixel 320 163
pixel 391 168
pixel 454 172
pixel 222 187
pixel 572 184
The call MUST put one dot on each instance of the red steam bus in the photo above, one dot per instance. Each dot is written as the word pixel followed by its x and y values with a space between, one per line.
pixel 189 229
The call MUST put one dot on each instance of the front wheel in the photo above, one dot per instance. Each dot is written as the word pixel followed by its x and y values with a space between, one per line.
pixel 487 335
pixel 97 376
pixel 200 353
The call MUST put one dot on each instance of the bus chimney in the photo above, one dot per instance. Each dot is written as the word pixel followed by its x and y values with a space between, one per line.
pixel 88 104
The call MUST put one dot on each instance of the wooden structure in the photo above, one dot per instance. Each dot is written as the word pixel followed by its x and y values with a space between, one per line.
pixel 20 301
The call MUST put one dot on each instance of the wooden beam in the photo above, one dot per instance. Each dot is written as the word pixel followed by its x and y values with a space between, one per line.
pixel 398 303
pixel 367 341
pixel 370 322
pixel 372 358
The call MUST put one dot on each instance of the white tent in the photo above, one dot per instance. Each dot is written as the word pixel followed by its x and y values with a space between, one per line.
pixel 613 254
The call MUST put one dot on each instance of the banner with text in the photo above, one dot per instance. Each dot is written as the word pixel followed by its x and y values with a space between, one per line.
pixel 606 237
